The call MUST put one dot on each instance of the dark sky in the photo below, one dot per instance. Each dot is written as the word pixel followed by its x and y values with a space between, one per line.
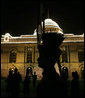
pixel 20 17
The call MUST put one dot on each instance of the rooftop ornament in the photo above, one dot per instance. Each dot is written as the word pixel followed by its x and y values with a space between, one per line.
pixel 6 37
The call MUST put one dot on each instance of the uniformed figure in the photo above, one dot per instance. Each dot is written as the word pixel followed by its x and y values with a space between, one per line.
pixel 49 53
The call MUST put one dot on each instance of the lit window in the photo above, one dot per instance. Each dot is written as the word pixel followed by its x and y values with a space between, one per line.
pixel 64 54
pixel 12 58
pixel 29 55
pixel 81 55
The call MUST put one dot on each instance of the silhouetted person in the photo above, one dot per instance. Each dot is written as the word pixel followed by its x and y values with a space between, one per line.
pixel 75 85
pixel 64 75
pixel 26 88
pixel 49 53
pixel 9 82
pixel 16 82
pixel 34 79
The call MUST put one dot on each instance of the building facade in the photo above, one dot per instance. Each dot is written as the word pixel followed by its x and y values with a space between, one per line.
pixel 22 52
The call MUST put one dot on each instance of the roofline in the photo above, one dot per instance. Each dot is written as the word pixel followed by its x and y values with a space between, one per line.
pixel 33 42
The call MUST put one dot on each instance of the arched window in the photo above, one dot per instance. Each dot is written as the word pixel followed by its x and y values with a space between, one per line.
pixel 12 58
pixel 29 71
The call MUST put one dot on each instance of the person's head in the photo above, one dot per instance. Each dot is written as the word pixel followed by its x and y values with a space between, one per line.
pixel 15 70
pixel 10 71
pixel 49 52
pixel 34 73
pixel 75 75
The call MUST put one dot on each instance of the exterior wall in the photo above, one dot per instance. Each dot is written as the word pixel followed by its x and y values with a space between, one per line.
pixel 4 62
pixel 36 54
pixel 21 63
pixel 72 63
pixel 73 55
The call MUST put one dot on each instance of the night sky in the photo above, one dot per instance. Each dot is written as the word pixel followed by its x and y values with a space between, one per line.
pixel 20 17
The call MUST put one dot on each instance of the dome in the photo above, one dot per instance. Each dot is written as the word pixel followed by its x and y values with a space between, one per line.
pixel 50 26
pixel 51 23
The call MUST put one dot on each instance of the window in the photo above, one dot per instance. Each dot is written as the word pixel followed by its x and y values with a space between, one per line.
pixel 64 54
pixel 81 55
pixel 29 55
pixel 12 58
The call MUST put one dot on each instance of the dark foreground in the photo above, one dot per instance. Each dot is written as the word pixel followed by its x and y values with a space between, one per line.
pixel 32 92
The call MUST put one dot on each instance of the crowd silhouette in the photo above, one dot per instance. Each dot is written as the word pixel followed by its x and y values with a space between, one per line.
pixel 13 83
pixel 52 84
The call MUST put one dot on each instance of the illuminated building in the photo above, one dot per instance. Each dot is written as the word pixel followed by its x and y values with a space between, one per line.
pixel 22 52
